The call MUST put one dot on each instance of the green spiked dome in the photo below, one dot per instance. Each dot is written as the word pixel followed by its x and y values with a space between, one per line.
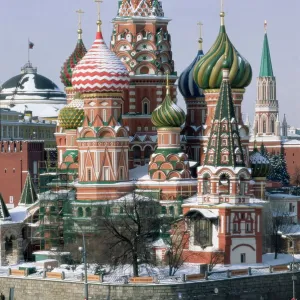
pixel 260 165
pixel 208 71
pixel 68 67
pixel 168 114
pixel 72 115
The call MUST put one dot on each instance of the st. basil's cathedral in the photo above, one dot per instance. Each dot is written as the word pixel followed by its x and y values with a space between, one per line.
pixel 123 131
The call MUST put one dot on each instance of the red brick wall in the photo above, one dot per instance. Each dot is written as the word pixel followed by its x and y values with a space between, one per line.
pixel 14 164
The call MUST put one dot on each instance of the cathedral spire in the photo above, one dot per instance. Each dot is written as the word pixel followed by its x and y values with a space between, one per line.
pixel 28 195
pixel 266 69
pixel 224 145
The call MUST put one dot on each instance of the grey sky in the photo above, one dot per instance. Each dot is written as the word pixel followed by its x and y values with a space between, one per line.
pixel 51 26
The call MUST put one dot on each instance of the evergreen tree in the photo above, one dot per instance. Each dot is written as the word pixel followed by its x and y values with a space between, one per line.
pixel 278 170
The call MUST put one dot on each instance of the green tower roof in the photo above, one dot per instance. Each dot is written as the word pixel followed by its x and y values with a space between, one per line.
pixel 28 196
pixel 224 145
pixel 4 214
pixel 266 69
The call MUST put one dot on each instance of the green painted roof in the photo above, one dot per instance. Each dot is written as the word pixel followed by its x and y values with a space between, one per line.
pixel 28 196
pixel 266 69
pixel 224 128
pixel 4 214
pixel 168 114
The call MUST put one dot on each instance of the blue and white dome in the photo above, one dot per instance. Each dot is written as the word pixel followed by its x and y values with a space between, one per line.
pixel 187 86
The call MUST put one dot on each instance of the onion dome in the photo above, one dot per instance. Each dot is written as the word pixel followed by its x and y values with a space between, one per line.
pixel 168 114
pixel 72 61
pixel 72 115
pixel 260 164
pixel 100 70
pixel 30 87
pixel 208 71
pixel 186 83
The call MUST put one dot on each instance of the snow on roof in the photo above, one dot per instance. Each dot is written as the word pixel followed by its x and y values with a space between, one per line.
pixel 140 172
pixel 19 214
pixel 283 196
pixel 160 243
pixel 207 213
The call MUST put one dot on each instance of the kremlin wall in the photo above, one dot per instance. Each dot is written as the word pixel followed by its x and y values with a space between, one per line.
pixel 123 130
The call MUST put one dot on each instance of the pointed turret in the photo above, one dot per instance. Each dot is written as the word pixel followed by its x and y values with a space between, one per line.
pixel 266 69
pixel 29 195
pixel 224 145
pixel 266 122
pixel 4 214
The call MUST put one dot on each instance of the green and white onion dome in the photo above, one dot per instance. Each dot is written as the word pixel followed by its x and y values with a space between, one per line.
pixel 72 115
pixel 168 114
pixel 208 71
pixel 260 164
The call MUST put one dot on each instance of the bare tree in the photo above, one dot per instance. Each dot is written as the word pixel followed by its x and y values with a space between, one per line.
pixel 215 258
pixel 132 228
pixel 296 177
pixel 277 217
pixel 177 243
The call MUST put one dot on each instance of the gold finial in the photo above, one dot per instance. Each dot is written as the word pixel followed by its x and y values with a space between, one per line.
pixel 222 13
pixel 266 26
pixel 200 38
pixel 99 23
pixel 168 85
pixel 80 12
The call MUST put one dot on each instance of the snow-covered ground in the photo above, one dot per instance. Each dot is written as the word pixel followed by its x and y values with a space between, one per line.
pixel 117 275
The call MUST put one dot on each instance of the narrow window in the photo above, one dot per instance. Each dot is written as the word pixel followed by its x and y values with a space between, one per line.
pixel 243 258
pixel 89 175
pixel 104 115
pixel 106 173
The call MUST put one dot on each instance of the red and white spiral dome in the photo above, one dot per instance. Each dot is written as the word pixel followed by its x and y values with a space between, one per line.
pixel 100 70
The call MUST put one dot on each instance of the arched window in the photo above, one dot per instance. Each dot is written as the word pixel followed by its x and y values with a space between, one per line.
pixel 136 152
pixel 163 210
pixel 146 107
pixel 272 126
pixel 264 126
pixel 88 212
pixel 202 232
pixel 224 185
pixel 206 184
pixel 80 212
pixel 171 210
pixel 147 152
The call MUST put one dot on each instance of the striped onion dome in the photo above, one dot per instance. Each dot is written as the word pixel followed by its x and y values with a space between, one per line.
pixel 208 71
pixel 186 83
pixel 72 115
pixel 168 114
pixel 100 70
pixel 69 65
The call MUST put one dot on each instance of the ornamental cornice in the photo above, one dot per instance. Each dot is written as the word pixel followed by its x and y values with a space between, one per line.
pixel 101 95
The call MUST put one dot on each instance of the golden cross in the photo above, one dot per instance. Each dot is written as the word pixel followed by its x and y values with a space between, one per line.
pixel 222 5
pixel 98 5
pixel 200 38
pixel 200 26
pixel 266 25
pixel 80 12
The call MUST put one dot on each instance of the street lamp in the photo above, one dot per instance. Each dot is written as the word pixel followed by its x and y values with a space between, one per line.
pixel 294 278
pixel 82 250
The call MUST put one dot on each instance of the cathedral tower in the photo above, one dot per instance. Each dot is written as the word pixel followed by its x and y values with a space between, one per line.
pixel 208 76
pixel 195 104
pixel 223 219
pixel 141 40
pixel 266 122
pixel 100 77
